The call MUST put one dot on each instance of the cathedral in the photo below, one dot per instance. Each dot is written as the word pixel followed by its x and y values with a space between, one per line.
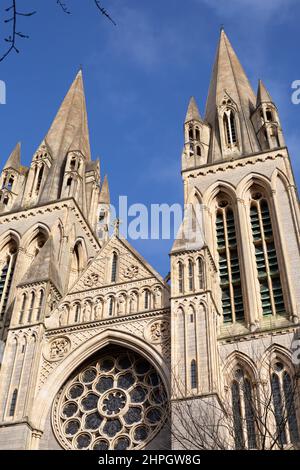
pixel 98 350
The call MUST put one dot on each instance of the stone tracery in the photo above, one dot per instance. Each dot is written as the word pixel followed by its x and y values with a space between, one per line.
pixel 116 402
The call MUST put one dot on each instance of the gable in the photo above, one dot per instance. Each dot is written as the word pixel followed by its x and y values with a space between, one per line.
pixel 131 267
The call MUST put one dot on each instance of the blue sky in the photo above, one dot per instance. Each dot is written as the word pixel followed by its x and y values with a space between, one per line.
pixel 138 80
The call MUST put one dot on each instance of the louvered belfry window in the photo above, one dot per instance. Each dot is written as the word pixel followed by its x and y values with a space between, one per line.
pixel 229 267
pixel 266 258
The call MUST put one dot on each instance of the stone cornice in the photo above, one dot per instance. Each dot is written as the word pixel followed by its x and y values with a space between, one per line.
pixel 118 287
pixel 250 336
pixel 107 322
pixel 221 166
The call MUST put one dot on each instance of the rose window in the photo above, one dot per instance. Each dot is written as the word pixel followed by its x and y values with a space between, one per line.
pixel 116 402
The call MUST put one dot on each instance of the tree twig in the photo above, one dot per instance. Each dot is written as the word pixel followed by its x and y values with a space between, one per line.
pixel 104 12
pixel 64 7
pixel 12 38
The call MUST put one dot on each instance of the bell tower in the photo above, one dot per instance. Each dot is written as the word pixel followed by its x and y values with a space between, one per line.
pixel 242 180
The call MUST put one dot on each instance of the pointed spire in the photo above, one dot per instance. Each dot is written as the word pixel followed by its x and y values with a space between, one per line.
pixel 14 160
pixel 104 194
pixel 229 80
pixel 193 111
pixel 263 95
pixel 69 130
pixel 44 267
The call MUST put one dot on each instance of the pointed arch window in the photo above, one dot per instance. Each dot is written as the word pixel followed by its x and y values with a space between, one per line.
pixel 194 375
pixel 6 275
pixel 13 403
pixel 230 128
pixel 69 186
pixel 40 178
pixel 180 277
pixel 77 313
pixel 111 304
pixel 73 163
pixel 200 272
pixel 146 299
pixel 197 134
pixel 191 274
pixel 31 306
pixel 266 258
pixel 269 115
pixel 40 304
pixel 229 267
pixel 9 182
pixel 191 133
pixel 23 306
pixel 192 150
pixel 114 266
pixel 243 411
pixel 284 396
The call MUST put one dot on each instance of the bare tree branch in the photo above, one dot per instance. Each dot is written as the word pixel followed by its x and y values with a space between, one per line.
pixel 63 6
pixel 15 34
pixel 12 38
pixel 104 12
pixel 209 422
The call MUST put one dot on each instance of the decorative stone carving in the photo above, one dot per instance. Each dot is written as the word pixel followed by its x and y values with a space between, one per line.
pixel 86 312
pixel 121 304
pixel 63 315
pixel 131 272
pixel 57 349
pixel 98 309
pixel 91 280
pixel 133 302
pixel 158 331
pixel 157 297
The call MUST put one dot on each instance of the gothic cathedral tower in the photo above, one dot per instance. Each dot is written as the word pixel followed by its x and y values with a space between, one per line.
pixel 235 297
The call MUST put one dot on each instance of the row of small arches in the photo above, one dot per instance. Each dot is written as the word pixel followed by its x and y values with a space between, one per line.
pixel 190 274
pixel 110 306
pixel 31 307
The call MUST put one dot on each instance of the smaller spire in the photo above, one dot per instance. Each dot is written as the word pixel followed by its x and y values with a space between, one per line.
pixel 193 111
pixel 14 160
pixel 263 96
pixel 104 194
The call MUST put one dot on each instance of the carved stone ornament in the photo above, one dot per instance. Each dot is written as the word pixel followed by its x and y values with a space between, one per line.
pixel 131 272
pixel 57 349
pixel 91 280
pixel 158 331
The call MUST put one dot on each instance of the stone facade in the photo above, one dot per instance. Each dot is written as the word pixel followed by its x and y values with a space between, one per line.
pixel 98 347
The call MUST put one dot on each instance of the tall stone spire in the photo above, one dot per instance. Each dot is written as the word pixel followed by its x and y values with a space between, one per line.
pixel 14 160
pixel 263 96
pixel 193 111
pixel 69 130
pixel 229 80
